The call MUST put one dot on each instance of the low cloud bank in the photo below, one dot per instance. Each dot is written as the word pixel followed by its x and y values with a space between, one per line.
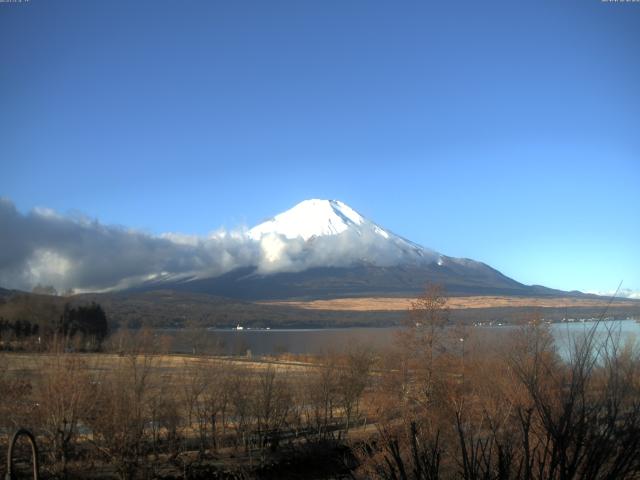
pixel 622 293
pixel 45 248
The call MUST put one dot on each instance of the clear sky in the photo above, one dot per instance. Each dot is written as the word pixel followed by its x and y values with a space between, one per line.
pixel 504 131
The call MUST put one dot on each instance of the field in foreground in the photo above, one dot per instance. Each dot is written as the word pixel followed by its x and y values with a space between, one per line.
pixel 439 404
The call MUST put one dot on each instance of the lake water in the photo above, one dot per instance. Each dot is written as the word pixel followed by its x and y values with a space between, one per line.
pixel 317 341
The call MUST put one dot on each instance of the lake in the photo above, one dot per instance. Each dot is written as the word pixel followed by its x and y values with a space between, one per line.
pixel 317 341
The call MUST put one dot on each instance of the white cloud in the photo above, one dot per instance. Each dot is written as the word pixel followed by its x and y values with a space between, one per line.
pixel 76 252
pixel 622 293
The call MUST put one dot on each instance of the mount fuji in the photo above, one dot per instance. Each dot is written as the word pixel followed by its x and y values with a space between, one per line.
pixel 352 235
pixel 313 218
pixel 326 249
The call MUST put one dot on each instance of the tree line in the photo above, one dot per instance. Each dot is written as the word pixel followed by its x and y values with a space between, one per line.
pixel 84 327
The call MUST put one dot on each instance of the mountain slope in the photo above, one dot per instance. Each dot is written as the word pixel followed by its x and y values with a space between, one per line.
pixel 312 218
pixel 325 249
pixel 318 222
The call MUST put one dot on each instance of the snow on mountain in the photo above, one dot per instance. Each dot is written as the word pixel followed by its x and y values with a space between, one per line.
pixel 324 242
pixel 310 218
pixel 325 222
pixel 326 248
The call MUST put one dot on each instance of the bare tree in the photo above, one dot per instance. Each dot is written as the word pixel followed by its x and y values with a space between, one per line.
pixel 583 417
pixel 423 337
pixel 353 378
pixel 216 398
pixel 16 406
pixel 322 395
pixel 120 417
pixel 66 393
pixel 271 406
pixel 193 390
pixel 240 391
pixel 401 452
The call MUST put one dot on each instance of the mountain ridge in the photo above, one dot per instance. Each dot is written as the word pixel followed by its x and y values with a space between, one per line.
pixel 361 258
pixel 317 219
pixel 342 254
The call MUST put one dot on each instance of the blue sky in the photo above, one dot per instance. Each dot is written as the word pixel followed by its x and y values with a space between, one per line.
pixel 507 132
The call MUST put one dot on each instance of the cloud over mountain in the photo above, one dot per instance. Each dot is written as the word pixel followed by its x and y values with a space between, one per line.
pixel 621 293
pixel 43 247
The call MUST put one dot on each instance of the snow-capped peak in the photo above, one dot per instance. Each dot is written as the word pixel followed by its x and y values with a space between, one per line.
pixel 322 218
pixel 310 218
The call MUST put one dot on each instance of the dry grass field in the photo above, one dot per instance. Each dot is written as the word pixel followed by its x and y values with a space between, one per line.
pixel 400 304
pixel 168 367
pixel 358 415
